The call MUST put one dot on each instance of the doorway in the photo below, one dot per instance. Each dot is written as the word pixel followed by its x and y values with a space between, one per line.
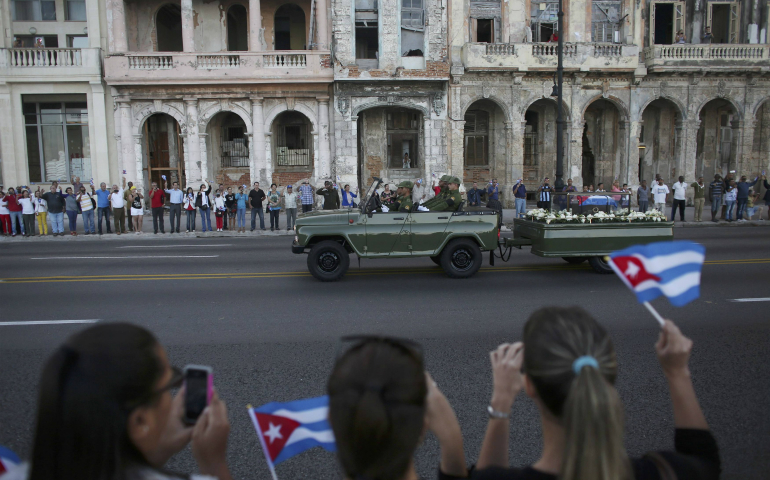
pixel 664 23
pixel 163 150
pixel 724 20
pixel 290 28
pixel 168 28
pixel 237 29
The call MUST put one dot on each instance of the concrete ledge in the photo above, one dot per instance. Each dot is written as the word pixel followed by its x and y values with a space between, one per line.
pixel 109 237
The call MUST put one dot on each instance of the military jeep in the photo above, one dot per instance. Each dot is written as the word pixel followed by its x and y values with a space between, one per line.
pixel 453 240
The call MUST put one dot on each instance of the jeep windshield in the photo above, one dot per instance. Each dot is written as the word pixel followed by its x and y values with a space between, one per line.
pixel 369 193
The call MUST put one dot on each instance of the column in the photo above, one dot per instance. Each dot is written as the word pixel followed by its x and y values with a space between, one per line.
pixel 138 165
pixel 624 128
pixel 457 162
pixel 632 179
pixel 257 169
pixel 516 153
pixel 188 36
pixel 116 26
pixel 576 152
pixel 127 155
pixel 94 29
pixel 322 25
pixel 203 153
pixel 324 154
pixel 428 158
pixel 193 154
pixel 745 134
pixel 353 125
pixel 97 113
pixel 255 27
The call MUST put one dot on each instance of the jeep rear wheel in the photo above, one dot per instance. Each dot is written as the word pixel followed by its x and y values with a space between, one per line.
pixel 328 261
pixel 600 265
pixel 461 258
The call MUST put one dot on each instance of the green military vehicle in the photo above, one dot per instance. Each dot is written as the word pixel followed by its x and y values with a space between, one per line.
pixel 453 240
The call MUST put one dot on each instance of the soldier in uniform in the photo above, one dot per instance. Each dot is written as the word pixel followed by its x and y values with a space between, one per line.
pixel 451 202
pixel 403 202
pixel 442 183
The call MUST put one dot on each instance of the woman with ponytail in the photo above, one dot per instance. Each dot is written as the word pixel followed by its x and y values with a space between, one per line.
pixel 567 365
pixel 381 402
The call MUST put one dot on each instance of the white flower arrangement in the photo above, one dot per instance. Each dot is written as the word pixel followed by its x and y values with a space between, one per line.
pixel 622 215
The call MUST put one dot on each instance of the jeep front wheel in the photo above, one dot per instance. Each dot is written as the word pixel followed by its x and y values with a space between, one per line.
pixel 328 261
pixel 600 265
pixel 461 258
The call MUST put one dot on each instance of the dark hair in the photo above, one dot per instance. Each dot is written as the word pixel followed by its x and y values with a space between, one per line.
pixel 273 185
pixel 88 389
pixel 377 407
pixel 203 185
pixel 190 190
pixel 586 402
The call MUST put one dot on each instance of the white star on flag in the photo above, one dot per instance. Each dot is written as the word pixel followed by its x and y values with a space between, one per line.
pixel 273 432
pixel 632 270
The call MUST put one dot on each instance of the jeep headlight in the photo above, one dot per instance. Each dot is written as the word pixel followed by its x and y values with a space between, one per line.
pixel 296 239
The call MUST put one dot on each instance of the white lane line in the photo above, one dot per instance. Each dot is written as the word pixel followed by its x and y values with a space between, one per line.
pixel 130 256
pixel 175 246
pixel 46 322
pixel 741 300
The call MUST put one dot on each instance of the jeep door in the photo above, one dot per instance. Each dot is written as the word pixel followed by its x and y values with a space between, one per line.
pixel 428 231
pixel 383 231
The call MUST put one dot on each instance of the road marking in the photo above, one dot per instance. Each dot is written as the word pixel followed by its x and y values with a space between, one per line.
pixel 132 256
pixel 175 246
pixel 751 299
pixel 46 322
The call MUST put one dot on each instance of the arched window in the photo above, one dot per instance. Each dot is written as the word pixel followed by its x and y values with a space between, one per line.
pixel 289 28
pixel 168 28
pixel 237 29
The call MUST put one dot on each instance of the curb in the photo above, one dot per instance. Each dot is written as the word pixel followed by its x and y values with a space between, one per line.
pixel 144 236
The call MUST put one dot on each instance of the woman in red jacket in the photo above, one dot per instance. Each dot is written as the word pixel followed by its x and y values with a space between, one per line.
pixel 15 210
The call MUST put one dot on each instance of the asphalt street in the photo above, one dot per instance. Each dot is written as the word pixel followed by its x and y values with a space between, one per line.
pixel 249 308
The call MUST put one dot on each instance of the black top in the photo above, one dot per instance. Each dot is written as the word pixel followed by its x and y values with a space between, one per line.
pixel 199 198
pixel 230 201
pixel 137 203
pixel 696 458
pixel 256 197
pixel 55 201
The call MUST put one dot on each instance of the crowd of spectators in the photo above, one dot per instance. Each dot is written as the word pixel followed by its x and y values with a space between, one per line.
pixel 106 410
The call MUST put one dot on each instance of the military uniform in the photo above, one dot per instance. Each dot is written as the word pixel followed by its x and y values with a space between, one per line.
pixel 442 195
pixel 450 202
pixel 403 203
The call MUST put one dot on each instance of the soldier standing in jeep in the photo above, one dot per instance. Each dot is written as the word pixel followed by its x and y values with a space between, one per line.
pixel 451 202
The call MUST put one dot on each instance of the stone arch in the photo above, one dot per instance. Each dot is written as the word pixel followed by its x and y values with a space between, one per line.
pixel 369 105
pixel 531 101
pixel 146 112
pixel 205 116
pixel 735 105
pixel 758 105
pixel 619 104
pixel 678 103
pixel 278 109
pixel 492 98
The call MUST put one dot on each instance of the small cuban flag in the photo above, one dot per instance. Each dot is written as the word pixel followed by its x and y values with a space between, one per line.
pixel 8 460
pixel 288 429
pixel 672 269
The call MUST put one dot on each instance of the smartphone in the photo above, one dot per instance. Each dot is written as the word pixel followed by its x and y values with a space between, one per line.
pixel 199 385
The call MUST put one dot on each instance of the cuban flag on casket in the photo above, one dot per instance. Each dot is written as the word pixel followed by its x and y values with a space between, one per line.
pixel 672 269
pixel 287 429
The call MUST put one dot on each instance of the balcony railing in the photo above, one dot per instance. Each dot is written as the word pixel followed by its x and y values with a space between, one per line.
pixel 44 57
pixel 240 67
pixel 64 64
pixel 699 56
pixel 544 56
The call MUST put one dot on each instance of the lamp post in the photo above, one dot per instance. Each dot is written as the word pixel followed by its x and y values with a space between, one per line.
pixel 559 182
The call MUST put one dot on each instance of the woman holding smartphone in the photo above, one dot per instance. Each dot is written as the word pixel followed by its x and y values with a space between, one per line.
pixel 137 213
pixel 105 411
pixel 189 208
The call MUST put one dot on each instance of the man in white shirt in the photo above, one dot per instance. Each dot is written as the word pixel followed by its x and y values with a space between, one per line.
pixel 680 192
pixel 420 193
pixel 660 194
pixel 117 207
pixel 290 203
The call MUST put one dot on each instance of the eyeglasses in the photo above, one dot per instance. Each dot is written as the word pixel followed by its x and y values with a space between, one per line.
pixel 177 379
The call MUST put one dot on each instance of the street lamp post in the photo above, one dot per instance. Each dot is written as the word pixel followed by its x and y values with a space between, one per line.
pixel 559 183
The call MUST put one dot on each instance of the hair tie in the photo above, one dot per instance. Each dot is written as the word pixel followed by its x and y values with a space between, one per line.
pixel 584 361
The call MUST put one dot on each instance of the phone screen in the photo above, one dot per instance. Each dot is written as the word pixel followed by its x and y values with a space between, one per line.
pixel 196 393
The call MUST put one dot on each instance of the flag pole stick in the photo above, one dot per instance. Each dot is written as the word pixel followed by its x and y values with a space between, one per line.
pixel 262 441
pixel 654 313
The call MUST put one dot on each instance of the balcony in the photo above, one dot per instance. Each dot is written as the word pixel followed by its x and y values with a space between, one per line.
pixel 49 64
pixel 152 68
pixel 606 57
pixel 700 57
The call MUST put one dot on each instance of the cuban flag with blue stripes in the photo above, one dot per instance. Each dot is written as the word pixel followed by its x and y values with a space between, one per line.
pixel 288 429
pixel 672 269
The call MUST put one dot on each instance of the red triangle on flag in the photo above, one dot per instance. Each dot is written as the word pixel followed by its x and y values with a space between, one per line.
pixel 275 432
pixel 633 270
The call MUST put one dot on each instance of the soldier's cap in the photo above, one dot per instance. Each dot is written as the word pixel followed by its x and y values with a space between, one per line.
pixel 406 184
pixel 445 178
pixel 455 180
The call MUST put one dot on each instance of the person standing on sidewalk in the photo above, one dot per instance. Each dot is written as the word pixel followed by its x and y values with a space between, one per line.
pixel 306 196
pixel 118 207
pixel 232 207
pixel 189 208
pixel 203 202
pixel 126 193
pixel 103 206
pixel 743 195
pixel 520 194
pixel 731 196
pixel 474 196
pixel 544 195
pixel 240 202
pixel 716 192
pixel 55 209
pixel 41 213
pixel 699 198
pixel 680 196
pixel 725 183
pixel 14 210
pixel 175 198
pixel 72 208
pixel 5 214
pixel 157 198
pixel 274 207
pixel 256 197
pixel 27 213
pixel 660 195
pixel 290 203
pixel 331 197
pixel 643 196
pixel 137 212
pixel 220 209
pixel 87 209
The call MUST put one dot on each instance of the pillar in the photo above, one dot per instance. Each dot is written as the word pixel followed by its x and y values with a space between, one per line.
pixel 632 178
pixel 322 25
pixel 353 124
pixel 138 166
pixel 457 162
pixel 198 168
pixel 97 116
pixel 116 26
pixel 203 155
pixel 127 155
pixel 255 27
pixel 576 152
pixel 188 32
pixel 258 169
pixel 745 144
pixel 428 158
pixel 324 153
pixel 94 28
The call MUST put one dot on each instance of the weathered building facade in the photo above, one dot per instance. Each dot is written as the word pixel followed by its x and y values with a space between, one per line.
pixel 636 102
pixel 391 69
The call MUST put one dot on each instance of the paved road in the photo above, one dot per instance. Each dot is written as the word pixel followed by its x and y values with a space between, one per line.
pixel 249 308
